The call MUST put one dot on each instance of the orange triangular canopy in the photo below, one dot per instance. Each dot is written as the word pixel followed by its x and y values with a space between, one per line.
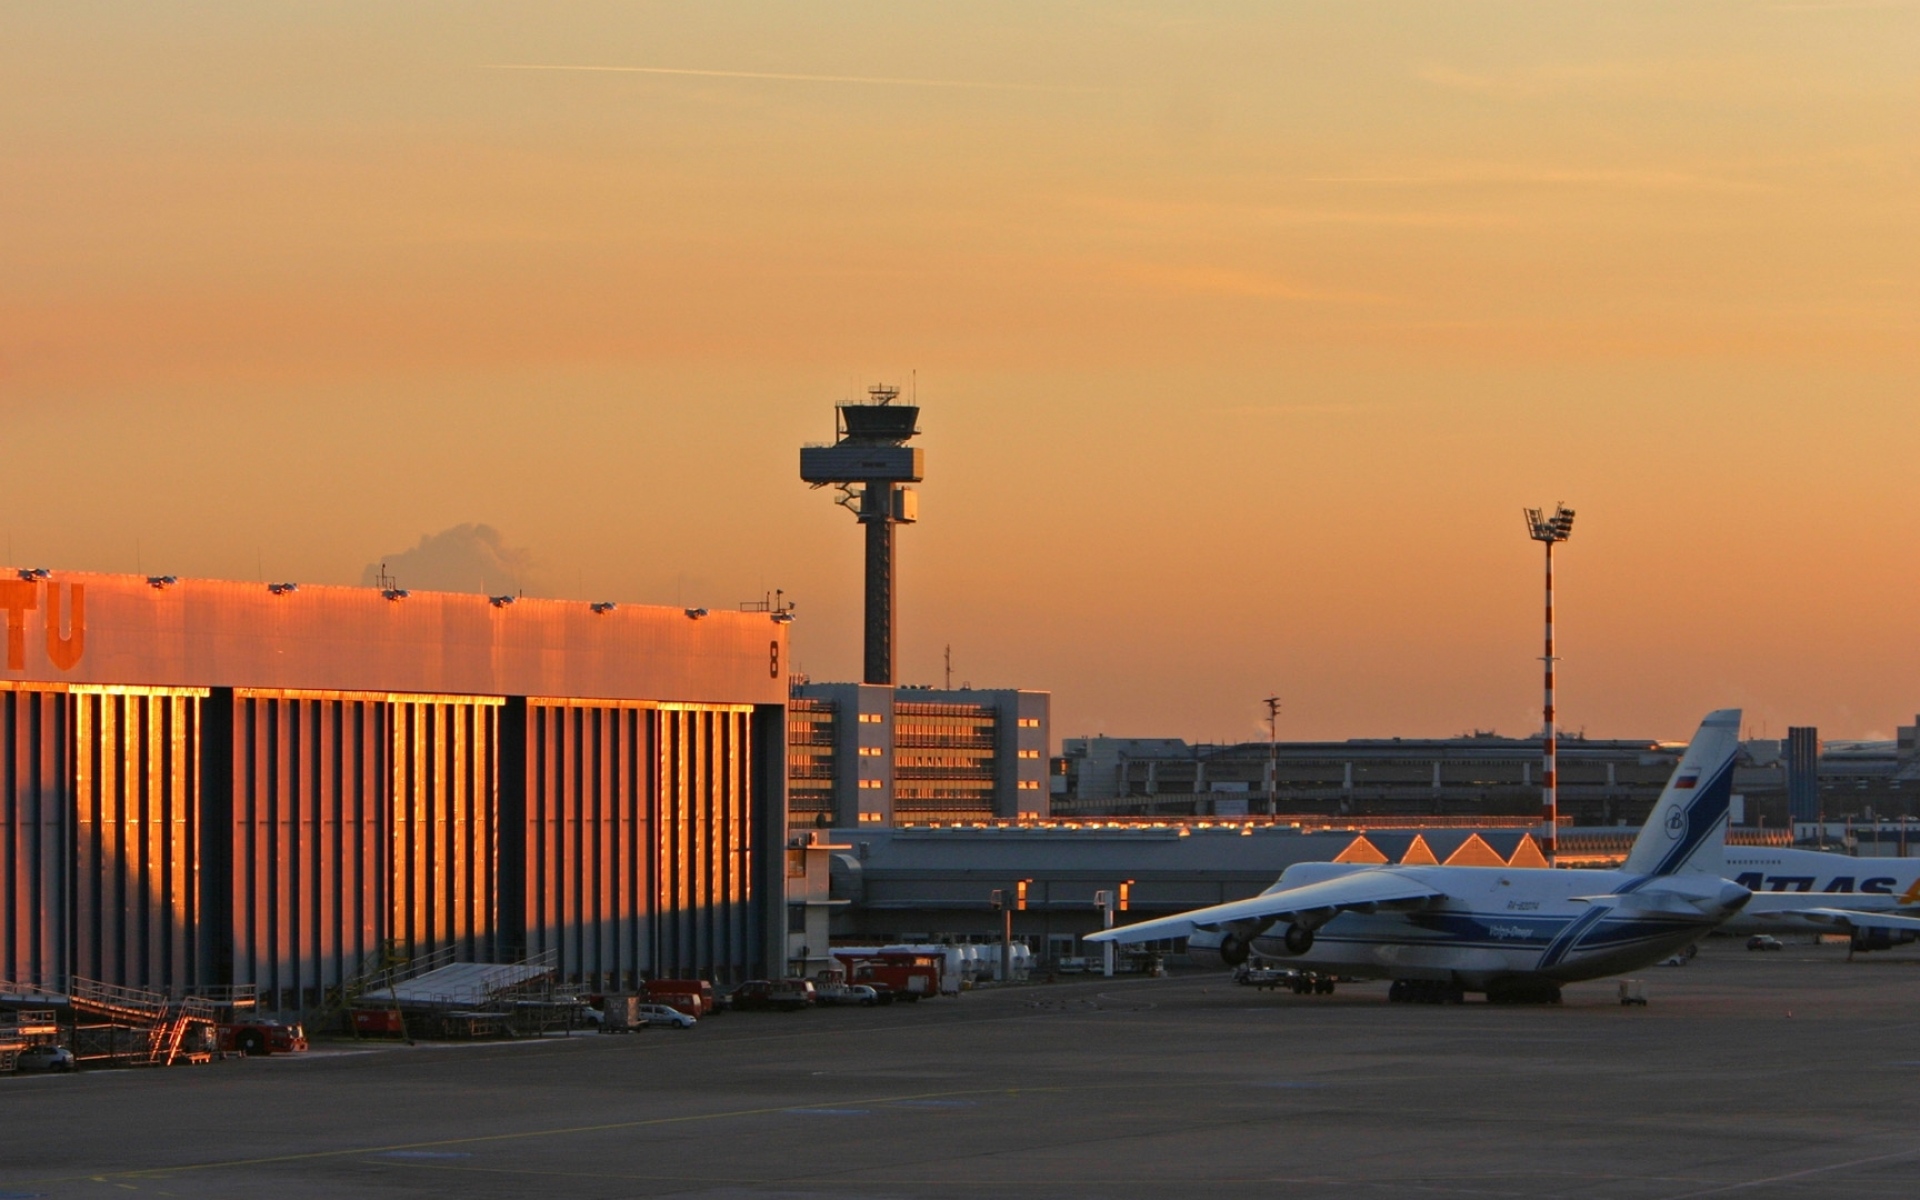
pixel 1527 854
pixel 1360 850
pixel 1419 854
pixel 1474 852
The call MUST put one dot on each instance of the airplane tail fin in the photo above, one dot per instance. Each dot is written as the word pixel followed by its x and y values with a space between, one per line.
pixel 1687 830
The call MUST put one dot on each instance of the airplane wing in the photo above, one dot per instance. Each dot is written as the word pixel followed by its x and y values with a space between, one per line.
pixel 1862 910
pixel 1313 904
pixel 1847 919
pixel 1862 902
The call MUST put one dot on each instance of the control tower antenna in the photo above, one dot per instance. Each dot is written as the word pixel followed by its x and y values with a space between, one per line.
pixel 1548 530
pixel 872 455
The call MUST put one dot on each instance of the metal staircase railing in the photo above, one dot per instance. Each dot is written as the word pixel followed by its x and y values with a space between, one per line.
pixel 133 1006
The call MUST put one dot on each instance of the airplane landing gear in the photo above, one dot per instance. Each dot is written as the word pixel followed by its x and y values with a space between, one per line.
pixel 1306 983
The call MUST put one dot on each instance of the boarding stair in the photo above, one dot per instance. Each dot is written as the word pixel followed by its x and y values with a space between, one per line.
pixel 126 1024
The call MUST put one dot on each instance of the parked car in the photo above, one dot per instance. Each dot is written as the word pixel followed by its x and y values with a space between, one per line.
pixel 45 1058
pixel 1765 941
pixel 847 993
pixel 671 1018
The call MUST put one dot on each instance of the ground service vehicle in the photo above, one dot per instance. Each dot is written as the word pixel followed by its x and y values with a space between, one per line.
pixel 907 975
pixel 262 1036
pixel 1765 941
pixel 693 997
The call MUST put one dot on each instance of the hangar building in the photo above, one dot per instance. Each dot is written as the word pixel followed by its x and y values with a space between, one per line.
pixel 207 783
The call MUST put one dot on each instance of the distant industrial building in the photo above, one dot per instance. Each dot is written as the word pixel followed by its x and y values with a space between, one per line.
pixel 1601 782
pixel 1778 783
pixel 863 756
pixel 1802 763
pixel 209 783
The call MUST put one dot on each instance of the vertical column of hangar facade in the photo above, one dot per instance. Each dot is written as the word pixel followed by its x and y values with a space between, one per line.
pixel 101 833
pixel 443 811
pixel 36 810
pixel 362 831
pixel 307 868
pixel 643 830
pixel 587 833
pixel 137 828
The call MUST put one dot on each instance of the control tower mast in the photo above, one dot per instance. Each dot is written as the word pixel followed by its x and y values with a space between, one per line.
pixel 869 464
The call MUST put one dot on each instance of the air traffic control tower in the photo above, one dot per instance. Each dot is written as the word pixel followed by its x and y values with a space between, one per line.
pixel 869 464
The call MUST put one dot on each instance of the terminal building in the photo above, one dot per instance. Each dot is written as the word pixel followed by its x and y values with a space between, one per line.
pixel 874 755
pixel 212 783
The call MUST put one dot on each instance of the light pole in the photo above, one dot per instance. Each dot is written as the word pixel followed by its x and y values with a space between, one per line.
pixel 1103 900
pixel 1005 909
pixel 1548 530
pixel 1273 754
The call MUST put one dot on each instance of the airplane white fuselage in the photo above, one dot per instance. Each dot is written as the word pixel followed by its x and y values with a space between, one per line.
pixel 1502 923
pixel 1782 878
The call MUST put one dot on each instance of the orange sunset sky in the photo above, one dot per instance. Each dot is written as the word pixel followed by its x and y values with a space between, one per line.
pixel 1242 332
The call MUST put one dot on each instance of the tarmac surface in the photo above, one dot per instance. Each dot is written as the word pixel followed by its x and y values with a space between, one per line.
pixel 1790 1074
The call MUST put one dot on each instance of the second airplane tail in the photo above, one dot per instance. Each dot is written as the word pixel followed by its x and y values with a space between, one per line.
pixel 1687 830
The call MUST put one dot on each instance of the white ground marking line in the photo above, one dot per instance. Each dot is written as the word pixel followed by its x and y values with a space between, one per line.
pixel 1754 1183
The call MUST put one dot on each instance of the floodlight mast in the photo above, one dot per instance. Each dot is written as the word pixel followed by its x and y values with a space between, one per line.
pixel 1548 530
pixel 1273 754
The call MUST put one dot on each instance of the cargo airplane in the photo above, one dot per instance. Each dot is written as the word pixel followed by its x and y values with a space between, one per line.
pixel 1517 935
pixel 1873 900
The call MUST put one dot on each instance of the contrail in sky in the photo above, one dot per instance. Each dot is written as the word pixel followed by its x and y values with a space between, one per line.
pixel 931 83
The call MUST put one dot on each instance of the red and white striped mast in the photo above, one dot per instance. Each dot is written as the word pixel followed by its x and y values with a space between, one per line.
pixel 1548 530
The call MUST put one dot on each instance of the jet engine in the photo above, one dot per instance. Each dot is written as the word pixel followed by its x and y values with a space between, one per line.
pixel 1215 950
pixel 1865 940
pixel 1298 939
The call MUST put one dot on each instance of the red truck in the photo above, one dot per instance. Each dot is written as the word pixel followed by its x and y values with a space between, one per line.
pixel 693 997
pixel 906 975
